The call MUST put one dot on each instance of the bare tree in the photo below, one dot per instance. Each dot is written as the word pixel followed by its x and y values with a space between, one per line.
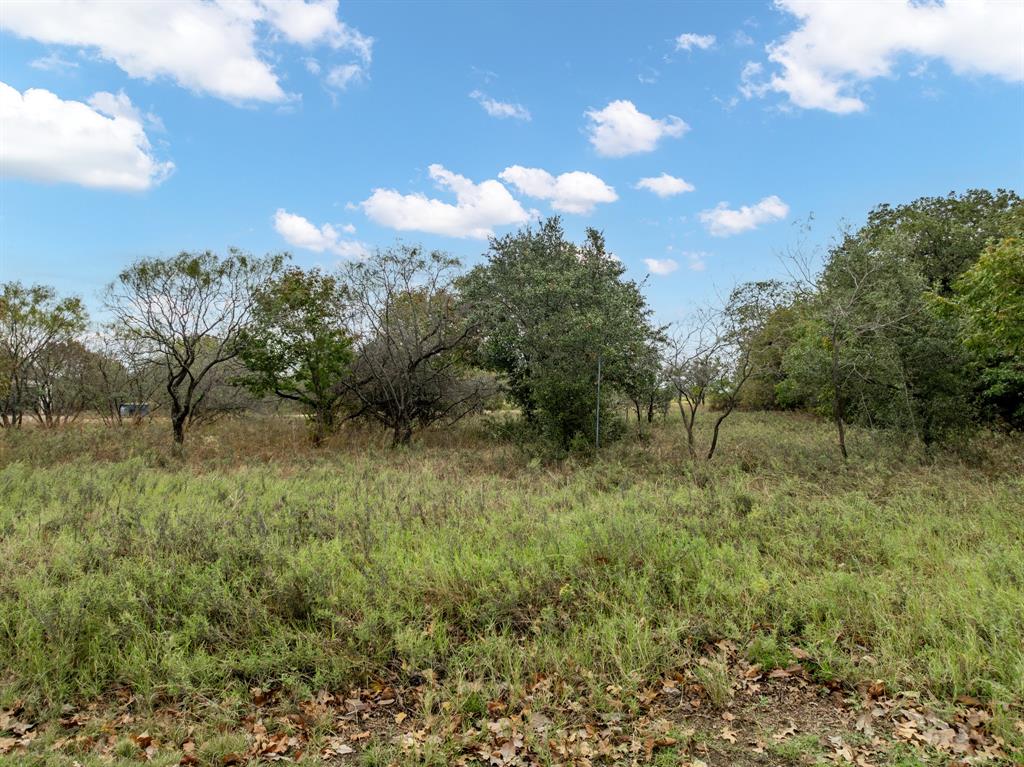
pixel 187 313
pixel 719 353
pixel 122 375
pixel 410 368
pixel 693 367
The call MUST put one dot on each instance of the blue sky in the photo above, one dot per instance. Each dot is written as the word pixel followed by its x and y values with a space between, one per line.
pixel 144 129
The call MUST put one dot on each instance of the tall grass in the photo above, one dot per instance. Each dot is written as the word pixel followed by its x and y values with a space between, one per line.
pixel 258 560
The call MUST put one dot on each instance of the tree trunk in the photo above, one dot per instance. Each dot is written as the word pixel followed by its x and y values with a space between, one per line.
pixel 714 434
pixel 840 428
pixel 323 425
pixel 837 397
pixel 179 417
pixel 402 435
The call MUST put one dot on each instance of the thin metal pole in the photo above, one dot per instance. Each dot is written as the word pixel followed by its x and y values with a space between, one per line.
pixel 597 417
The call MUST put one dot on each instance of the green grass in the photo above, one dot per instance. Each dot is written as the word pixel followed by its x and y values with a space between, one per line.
pixel 258 561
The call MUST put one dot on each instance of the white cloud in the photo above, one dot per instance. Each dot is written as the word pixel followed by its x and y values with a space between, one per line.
pixel 343 75
pixel 478 208
pixel 208 47
pixel 621 129
pixel 722 221
pixel 665 185
pixel 53 62
pixel 101 144
pixel 689 41
pixel 695 260
pixel 742 39
pixel 661 266
pixel 302 233
pixel 840 46
pixel 575 192
pixel 349 228
pixel 752 82
pixel 501 109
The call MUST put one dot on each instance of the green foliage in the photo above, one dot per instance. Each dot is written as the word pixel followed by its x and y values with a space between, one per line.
pixel 989 304
pixel 187 314
pixel 945 235
pixel 547 311
pixel 298 346
pixel 34 323
pixel 873 351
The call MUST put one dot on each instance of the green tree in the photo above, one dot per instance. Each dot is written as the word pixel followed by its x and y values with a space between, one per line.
pixel 943 236
pixel 872 349
pixel 187 314
pixel 551 313
pixel 989 304
pixel 34 323
pixel 298 345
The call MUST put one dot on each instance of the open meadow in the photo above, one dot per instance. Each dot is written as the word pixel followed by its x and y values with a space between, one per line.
pixel 471 600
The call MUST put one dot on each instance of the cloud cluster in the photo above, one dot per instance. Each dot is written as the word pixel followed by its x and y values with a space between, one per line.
pixel 207 47
pixel 575 192
pixel 101 144
pixel 688 41
pixel 665 185
pixel 841 45
pixel 477 210
pixel 300 232
pixel 501 109
pixel 621 129
pixel 723 221
pixel 661 266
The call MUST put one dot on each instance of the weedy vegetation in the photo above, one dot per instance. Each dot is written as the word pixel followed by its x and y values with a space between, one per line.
pixel 468 565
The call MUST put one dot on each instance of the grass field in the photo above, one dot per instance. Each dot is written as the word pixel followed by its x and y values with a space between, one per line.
pixel 463 587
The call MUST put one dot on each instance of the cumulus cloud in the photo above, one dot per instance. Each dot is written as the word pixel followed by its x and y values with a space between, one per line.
pixel 688 41
pixel 840 46
pixel 620 129
pixel 723 221
pixel 208 47
pixel 477 210
pixel 501 109
pixel 575 192
pixel 101 144
pixel 300 232
pixel 661 266
pixel 665 185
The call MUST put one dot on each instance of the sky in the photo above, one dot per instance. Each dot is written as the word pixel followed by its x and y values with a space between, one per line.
pixel 701 138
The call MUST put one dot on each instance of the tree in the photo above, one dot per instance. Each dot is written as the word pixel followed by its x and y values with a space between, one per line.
pixel 693 367
pixel 872 350
pixel 33 321
pixel 989 305
pixel 60 382
pixel 943 236
pixel 298 346
pixel 188 313
pixel 122 373
pixel 551 313
pixel 411 367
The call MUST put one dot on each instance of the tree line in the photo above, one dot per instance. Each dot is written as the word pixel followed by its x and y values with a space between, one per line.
pixel 913 323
